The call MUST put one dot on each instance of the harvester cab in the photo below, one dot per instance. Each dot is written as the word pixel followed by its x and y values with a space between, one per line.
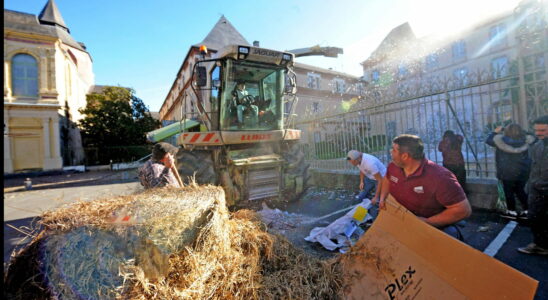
pixel 249 89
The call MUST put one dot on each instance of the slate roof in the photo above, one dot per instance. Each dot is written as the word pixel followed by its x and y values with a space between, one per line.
pixel 50 15
pixel 29 23
pixel 396 41
pixel 223 34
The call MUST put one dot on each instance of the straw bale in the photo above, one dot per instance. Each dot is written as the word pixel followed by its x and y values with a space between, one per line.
pixel 182 244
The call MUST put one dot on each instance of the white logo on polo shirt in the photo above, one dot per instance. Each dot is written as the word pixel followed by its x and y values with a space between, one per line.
pixel 419 189
pixel 394 179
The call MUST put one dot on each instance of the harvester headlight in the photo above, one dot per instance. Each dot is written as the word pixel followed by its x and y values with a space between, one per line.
pixel 286 57
pixel 243 52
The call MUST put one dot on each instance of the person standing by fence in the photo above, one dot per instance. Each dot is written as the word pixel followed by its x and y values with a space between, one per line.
pixel 513 165
pixel 450 148
pixel 538 190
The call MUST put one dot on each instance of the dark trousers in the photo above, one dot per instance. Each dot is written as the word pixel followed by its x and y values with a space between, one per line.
pixel 453 231
pixel 459 172
pixel 517 188
pixel 538 218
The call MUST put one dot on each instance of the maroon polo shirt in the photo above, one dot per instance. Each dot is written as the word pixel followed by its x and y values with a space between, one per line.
pixel 427 191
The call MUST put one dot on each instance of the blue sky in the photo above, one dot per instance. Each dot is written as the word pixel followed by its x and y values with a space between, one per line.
pixel 141 44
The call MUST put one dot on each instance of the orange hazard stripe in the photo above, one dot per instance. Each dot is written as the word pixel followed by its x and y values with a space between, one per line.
pixel 208 137
pixel 195 138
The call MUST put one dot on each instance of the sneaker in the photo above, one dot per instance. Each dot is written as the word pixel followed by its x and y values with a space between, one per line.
pixel 510 214
pixel 533 249
pixel 523 215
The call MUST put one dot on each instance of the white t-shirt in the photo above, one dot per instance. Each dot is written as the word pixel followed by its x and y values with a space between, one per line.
pixel 371 165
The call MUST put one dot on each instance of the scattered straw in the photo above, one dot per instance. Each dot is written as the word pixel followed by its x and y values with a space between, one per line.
pixel 182 244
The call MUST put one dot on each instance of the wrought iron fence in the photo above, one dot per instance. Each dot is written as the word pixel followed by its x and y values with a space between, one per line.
pixel 471 105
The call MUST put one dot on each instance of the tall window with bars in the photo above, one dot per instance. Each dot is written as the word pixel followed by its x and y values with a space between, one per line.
pixel 499 67
pixel 339 85
pixel 497 36
pixel 313 81
pixel 459 50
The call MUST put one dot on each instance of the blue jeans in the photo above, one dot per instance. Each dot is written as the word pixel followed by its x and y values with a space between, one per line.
pixel 453 231
pixel 368 186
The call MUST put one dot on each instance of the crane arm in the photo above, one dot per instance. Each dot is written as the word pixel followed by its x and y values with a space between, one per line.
pixel 317 50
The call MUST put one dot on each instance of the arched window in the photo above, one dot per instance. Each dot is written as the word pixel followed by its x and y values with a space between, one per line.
pixel 24 75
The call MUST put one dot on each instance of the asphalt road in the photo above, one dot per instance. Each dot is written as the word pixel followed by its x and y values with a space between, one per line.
pixel 21 208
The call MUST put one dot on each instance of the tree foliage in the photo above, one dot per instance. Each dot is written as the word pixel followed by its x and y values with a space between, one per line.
pixel 115 117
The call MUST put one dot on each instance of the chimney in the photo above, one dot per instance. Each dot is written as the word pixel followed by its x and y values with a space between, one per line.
pixel 256 44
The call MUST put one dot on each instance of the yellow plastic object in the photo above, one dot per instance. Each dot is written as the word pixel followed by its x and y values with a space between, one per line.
pixel 360 213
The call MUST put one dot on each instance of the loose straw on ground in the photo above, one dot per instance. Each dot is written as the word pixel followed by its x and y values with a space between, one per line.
pixel 177 244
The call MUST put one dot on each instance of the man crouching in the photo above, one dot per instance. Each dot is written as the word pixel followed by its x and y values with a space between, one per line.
pixel 428 190
pixel 158 171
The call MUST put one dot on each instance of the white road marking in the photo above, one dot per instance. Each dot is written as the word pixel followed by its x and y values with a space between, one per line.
pixel 501 238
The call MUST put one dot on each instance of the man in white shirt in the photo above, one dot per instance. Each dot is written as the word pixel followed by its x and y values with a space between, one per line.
pixel 369 166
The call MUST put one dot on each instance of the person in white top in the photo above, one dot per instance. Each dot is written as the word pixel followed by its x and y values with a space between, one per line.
pixel 370 167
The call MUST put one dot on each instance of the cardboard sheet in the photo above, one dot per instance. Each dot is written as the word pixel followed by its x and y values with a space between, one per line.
pixel 401 257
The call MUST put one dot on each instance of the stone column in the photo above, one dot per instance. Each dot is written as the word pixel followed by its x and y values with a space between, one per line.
pixel 8 163
pixel 45 132
pixel 7 81
pixel 54 161
pixel 55 152
pixel 43 85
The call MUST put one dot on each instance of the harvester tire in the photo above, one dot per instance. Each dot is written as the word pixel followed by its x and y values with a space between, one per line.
pixel 196 163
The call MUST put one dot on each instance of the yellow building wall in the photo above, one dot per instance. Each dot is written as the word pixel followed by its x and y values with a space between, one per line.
pixel 31 134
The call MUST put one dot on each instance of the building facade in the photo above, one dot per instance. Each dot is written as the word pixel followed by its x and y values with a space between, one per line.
pixel 491 74
pixel 504 52
pixel 323 91
pixel 47 75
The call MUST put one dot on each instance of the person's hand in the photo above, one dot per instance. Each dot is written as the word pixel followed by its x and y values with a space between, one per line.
pixel 361 185
pixel 498 129
pixel 169 161
pixel 423 219
pixel 382 203
pixel 374 200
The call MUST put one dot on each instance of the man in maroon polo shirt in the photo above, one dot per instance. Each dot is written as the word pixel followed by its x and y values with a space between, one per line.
pixel 428 190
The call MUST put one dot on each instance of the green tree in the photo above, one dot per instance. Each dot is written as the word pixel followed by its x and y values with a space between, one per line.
pixel 115 117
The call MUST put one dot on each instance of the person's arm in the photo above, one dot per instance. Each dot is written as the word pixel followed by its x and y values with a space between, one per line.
pixel 451 215
pixel 379 179
pixel 385 190
pixel 159 180
pixel 489 141
pixel 536 181
pixel 441 146
pixel 362 175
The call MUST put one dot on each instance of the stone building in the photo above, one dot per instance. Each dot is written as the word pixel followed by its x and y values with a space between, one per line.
pixel 47 75
pixel 480 64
